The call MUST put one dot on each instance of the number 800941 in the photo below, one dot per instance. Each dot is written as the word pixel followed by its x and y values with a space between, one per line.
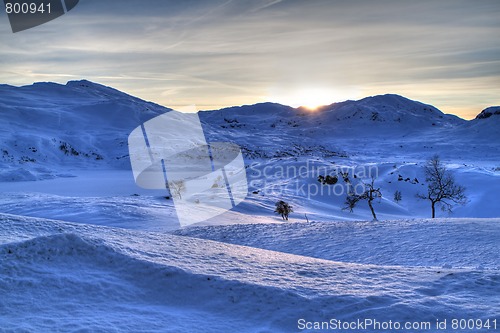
pixel 27 8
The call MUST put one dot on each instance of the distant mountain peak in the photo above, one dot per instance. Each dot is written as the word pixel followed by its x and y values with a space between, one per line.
pixel 488 112
pixel 387 98
pixel 267 106
pixel 95 87
pixel 90 84
pixel 390 109
pixel 396 101
pixel 83 83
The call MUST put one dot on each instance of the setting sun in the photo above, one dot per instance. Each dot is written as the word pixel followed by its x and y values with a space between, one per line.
pixel 314 98
pixel 310 98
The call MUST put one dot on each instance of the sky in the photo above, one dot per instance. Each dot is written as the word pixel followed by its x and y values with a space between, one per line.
pixel 219 53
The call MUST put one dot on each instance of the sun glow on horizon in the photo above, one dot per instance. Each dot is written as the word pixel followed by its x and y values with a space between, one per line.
pixel 312 98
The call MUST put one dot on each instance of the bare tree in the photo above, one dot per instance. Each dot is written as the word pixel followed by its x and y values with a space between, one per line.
pixel 176 188
pixel 441 187
pixel 283 208
pixel 370 194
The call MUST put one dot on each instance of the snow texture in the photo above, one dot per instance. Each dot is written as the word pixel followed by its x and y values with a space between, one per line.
pixel 84 249
pixel 57 276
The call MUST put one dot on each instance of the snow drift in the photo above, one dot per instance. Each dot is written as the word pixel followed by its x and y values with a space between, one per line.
pixel 57 276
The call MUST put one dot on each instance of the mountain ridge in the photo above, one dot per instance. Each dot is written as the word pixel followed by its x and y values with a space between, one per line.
pixel 85 125
pixel 488 112
pixel 387 98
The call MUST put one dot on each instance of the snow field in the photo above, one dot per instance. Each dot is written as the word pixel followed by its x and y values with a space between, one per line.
pixel 60 276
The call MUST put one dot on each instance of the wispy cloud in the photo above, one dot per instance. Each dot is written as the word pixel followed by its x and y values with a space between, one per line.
pixel 219 53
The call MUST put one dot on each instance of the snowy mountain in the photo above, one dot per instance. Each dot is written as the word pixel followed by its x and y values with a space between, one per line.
pixel 323 130
pixel 52 131
pixel 83 248
pixel 484 129
pixel 390 109
pixel 85 125
pixel 488 112
pixel 377 110
pixel 80 124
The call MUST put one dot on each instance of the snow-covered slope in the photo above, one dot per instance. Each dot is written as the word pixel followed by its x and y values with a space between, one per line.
pixel 54 131
pixel 488 112
pixel 260 275
pixel 485 128
pixel 273 130
pixel 392 110
pixel 457 243
pixel 56 276
pixel 84 124
pixel 47 129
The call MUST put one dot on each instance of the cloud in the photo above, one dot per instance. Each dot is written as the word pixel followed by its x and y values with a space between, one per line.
pixel 220 53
